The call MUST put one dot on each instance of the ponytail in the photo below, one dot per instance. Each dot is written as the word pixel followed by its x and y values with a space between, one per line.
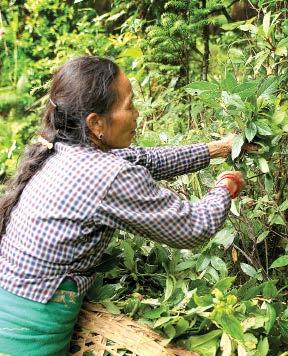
pixel 32 160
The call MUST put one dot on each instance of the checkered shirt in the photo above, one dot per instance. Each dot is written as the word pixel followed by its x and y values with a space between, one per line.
pixel 68 212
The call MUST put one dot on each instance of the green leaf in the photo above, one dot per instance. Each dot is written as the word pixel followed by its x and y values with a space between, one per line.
pixel 249 270
pixel 250 131
pixel 268 182
pixel 281 49
pixel 268 87
pixel 129 258
pixel 200 340
pixel 277 220
pixel 229 83
pixel 284 205
pixel 269 290
pixel 263 347
pixel 225 283
pixel 133 52
pixel 219 265
pixel 162 320
pixel 185 265
pixel 170 331
pixel 283 43
pixel 111 307
pixel 263 128
pixel 155 313
pixel 107 291
pixel 231 326
pixel 181 326
pixel 202 262
pixel 224 237
pixel 263 164
pixel 200 87
pixel 266 23
pixel 246 90
pixel 246 291
pixel 280 262
pixel 237 146
pixel 271 314
pixel 250 341
pixel 169 288
pixel 262 236
pixel 203 301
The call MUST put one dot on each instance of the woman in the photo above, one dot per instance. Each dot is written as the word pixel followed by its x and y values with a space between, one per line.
pixel 77 184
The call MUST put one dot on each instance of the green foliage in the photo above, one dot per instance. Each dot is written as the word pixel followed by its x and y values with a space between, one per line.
pixel 231 295
pixel 178 295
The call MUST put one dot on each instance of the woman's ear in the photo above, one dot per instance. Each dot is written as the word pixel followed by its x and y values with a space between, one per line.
pixel 95 124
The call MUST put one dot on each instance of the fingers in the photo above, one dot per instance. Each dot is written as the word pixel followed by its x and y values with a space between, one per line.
pixel 234 177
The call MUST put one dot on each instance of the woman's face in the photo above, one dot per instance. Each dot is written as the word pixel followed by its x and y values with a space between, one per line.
pixel 119 131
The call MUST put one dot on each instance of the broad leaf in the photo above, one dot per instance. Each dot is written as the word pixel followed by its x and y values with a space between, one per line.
pixel 200 87
pixel 249 270
pixel 266 23
pixel 202 263
pixel 224 237
pixel 269 290
pixel 246 90
pixel 225 283
pixel 111 307
pixel 280 262
pixel 263 128
pixel 200 340
pixel 169 288
pixel 219 265
pixel 263 347
pixel 284 205
pixel 229 83
pixel 271 313
pixel 237 146
pixel 263 164
pixel 129 259
pixel 250 131
pixel 231 325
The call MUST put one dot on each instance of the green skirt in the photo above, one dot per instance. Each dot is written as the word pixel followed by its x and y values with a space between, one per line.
pixel 29 328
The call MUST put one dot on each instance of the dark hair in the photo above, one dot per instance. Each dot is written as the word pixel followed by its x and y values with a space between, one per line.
pixel 81 86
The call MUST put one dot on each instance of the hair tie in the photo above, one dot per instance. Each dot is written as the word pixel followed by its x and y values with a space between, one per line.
pixel 52 103
pixel 45 143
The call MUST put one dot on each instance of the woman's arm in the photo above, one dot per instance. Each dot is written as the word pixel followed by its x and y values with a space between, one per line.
pixel 168 162
pixel 134 202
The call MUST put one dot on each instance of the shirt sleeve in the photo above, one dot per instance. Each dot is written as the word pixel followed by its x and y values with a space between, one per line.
pixel 167 162
pixel 134 202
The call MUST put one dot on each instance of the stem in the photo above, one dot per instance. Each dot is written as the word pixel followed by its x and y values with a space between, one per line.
pixel 206 35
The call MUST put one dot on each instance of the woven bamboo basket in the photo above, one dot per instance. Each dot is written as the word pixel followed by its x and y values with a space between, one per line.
pixel 100 333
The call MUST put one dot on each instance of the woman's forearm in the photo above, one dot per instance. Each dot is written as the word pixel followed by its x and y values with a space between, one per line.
pixel 218 149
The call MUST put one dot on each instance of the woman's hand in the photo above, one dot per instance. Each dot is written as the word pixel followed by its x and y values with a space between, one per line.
pixel 233 180
pixel 223 147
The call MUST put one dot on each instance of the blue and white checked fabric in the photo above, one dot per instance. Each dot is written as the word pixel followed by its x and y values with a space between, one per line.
pixel 68 212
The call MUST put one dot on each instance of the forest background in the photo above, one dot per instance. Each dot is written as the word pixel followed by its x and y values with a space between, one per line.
pixel 199 69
